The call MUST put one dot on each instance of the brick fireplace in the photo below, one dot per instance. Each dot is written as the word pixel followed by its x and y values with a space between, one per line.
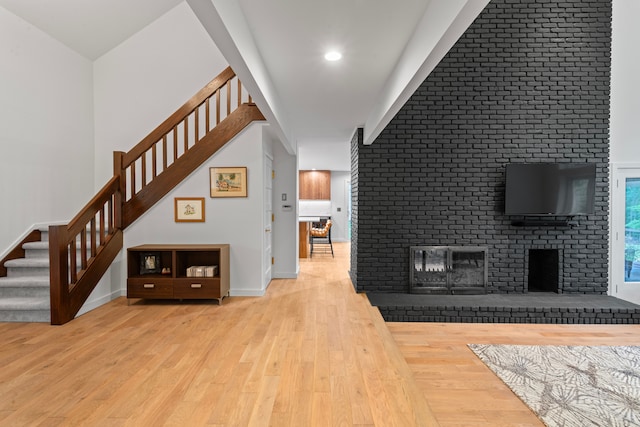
pixel 527 82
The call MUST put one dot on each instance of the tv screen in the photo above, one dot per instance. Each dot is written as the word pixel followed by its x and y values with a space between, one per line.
pixel 564 189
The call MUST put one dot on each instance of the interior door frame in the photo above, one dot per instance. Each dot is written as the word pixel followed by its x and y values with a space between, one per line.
pixel 617 285
pixel 267 245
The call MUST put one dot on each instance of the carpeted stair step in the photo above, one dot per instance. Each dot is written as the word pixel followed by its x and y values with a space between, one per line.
pixel 25 291
pixel 23 267
pixel 36 249
pixel 24 309
pixel 29 286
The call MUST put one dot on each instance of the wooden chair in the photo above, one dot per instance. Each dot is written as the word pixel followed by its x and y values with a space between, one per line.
pixel 321 236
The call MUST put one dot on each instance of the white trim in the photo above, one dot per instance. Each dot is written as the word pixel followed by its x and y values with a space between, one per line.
pixel 617 285
pixel 624 166
pixel 285 275
pixel 247 293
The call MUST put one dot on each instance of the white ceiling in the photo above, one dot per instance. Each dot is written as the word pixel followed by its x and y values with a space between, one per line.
pixel 90 27
pixel 327 100
pixel 276 47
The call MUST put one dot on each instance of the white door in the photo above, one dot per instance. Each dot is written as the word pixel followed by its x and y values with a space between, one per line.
pixel 625 257
pixel 268 220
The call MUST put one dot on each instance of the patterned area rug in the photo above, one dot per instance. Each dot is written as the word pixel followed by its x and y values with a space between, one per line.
pixel 571 385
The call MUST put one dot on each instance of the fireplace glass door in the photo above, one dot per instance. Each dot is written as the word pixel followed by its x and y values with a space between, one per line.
pixel 448 269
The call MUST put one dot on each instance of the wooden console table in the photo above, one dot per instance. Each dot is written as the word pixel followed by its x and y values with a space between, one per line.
pixel 160 272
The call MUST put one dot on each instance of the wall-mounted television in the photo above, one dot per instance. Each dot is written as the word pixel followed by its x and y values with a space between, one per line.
pixel 539 189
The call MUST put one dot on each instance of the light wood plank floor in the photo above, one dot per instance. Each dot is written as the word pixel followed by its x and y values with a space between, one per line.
pixel 311 352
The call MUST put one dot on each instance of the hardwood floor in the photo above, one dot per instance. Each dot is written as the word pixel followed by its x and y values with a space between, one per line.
pixel 311 352
pixel 460 389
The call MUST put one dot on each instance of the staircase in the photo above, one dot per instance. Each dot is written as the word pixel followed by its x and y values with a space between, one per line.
pixel 24 292
pixel 41 266
pixel 40 281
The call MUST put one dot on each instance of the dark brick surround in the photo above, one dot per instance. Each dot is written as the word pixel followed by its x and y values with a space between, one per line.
pixel 527 82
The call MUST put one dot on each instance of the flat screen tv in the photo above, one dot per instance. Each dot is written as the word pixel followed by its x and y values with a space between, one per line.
pixel 539 189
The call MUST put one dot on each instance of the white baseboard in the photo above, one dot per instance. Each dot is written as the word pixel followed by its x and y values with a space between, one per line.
pixel 247 293
pixel 284 275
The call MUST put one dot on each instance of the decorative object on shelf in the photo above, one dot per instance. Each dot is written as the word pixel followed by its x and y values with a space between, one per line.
pixel 166 270
pixel 150 263
pixel 228 182
pixel 189 209
pixel 202 271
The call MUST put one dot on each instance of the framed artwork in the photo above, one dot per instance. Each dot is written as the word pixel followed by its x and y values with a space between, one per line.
pixel 228 182
pixel 150 263
pixel 189 209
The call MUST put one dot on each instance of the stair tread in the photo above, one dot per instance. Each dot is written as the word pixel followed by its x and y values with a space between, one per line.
pixel 25 303
pixel 33 281
pixel 28 262
pixel 36 245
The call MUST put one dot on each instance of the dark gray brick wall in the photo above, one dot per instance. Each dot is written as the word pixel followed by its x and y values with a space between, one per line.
pixel 527 82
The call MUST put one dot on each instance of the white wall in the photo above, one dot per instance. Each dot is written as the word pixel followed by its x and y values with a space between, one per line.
pixel 46 130
pixel 625 90
pixel 237 221
pixel 137 85
pixel 285 227
pixel 148 77
pixel 325 156
pixel 339 205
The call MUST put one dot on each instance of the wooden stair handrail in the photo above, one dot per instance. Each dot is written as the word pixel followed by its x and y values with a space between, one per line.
pixel 82 251
pixel 180 114
pixel 74 250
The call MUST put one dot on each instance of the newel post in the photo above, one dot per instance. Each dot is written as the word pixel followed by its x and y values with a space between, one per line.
pixel 59 273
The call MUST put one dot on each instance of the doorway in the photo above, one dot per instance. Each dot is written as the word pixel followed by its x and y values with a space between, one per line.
pixel 625 254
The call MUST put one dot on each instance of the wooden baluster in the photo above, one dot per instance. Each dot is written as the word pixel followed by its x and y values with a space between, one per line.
pixel 164 152
pixel 207 113
pixel 92 235
pixel 101 224
pixel 250 100
pixel 143 172
pixel 175 143
pixel 197 125
pixel 73 267
pixel 111 214
pixel 83 250
pixel 132 183
pixel 154 159
pixel 217 107
pixel 239 93
pixel 186 134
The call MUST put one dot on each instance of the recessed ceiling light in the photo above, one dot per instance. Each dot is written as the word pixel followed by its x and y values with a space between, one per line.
pixel 332 55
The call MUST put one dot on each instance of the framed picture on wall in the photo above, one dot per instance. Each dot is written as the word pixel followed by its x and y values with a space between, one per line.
pixel 189 209
pixel 228 182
